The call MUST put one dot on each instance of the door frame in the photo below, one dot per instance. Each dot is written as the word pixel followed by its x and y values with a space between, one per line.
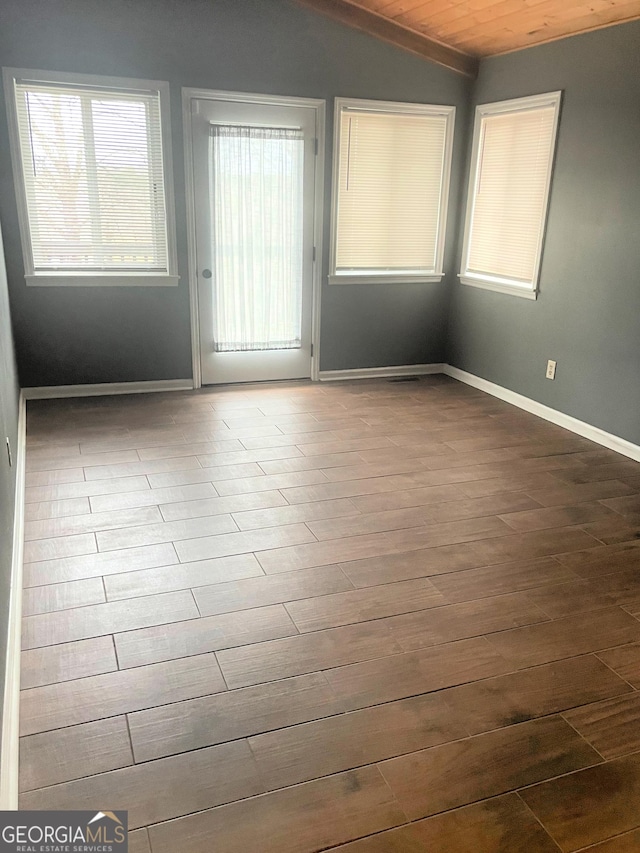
pixel 319 106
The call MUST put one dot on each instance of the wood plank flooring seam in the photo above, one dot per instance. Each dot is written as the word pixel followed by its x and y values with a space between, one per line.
pixel 613 670
pixel 231 690
pixel 537 819
pixel 462 739
pixel 563 714
pixel 115 652
pixel 195 601
pixel 348 712
pixel 403 651
pixel 504 787
pixel 243 799
pixel 603 762
pixel 338 713
pixel 378 622
pixel 600 845
pixel 285 728
pixel 222 675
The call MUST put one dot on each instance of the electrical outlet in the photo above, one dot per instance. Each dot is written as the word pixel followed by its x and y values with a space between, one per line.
pixel 551 369
pixel 9 452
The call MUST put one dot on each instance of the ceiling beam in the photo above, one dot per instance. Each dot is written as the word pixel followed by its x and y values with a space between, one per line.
pixel 390 31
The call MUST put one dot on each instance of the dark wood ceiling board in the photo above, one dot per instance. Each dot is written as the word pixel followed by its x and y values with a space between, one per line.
pixel 387 30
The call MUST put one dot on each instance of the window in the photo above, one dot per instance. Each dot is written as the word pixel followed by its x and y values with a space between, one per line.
pixel 513 147
pixel 91 160
pixel 257 208
pixel 391 183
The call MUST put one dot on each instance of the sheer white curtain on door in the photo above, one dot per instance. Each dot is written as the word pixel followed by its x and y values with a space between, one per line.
pixel 256 214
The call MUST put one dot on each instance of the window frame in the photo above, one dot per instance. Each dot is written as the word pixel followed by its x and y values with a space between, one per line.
pixel 86 278
pixel 398 108
pixel 486 281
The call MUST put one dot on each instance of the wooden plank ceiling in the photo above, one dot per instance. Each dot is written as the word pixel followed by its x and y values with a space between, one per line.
pixel 457 33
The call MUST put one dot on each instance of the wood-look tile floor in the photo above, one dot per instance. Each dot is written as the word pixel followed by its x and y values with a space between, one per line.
pixel 368 617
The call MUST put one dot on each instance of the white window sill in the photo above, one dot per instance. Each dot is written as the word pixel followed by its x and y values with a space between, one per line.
pixel 498 287
pixel 386 278
pixel 79 279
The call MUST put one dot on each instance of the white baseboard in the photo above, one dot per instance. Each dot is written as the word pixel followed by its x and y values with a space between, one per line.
pixel 9 744
pixel 380 372
pixel 593 433
pixel 56 392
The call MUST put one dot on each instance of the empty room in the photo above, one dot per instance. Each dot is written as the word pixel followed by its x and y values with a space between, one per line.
pixel 320 426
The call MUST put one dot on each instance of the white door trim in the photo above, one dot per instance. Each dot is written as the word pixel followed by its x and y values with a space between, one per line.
pixel 319 105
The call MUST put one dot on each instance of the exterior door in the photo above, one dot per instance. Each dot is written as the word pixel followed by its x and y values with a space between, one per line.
pixel 254 177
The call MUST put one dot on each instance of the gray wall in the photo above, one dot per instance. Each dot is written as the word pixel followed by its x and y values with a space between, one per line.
pixel 8 429
pixel 77 335
pixel 587 316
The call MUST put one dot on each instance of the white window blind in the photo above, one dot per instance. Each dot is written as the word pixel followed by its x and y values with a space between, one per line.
pixel 391 191
pixel 509 192
pixel 93 177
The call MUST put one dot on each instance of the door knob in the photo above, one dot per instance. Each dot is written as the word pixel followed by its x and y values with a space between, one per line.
pixel 206 273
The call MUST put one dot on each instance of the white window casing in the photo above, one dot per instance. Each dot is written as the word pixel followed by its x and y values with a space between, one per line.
pixel 511 166
pixel 92 166
pixel 391 173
